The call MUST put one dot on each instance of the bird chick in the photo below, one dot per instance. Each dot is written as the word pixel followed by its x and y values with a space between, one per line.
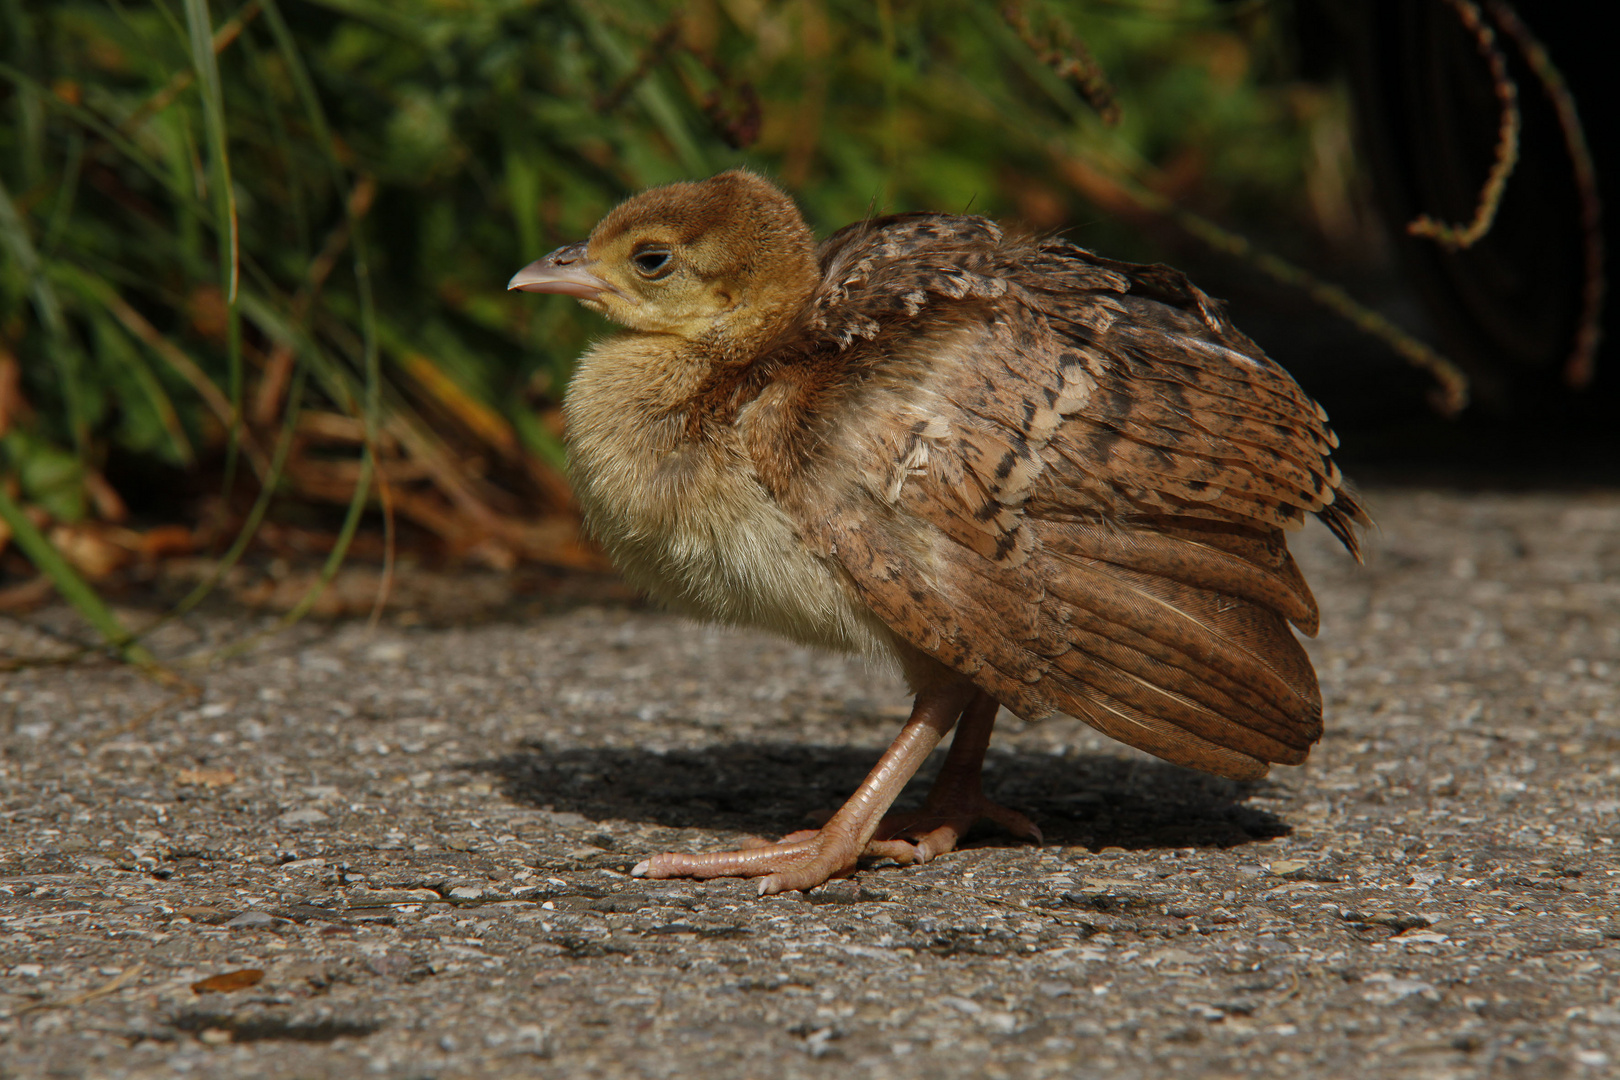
pixel 1025 475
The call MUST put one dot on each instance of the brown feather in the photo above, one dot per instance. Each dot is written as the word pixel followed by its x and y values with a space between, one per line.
pixel 1063 477
pixel 1154 551
pixel 1156 449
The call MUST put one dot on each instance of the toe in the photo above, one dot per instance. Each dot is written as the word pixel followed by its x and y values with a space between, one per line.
pixel 1012 821
pixel 903 852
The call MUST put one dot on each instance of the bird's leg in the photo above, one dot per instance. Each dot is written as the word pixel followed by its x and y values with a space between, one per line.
pixel 955 801
pixel 833 849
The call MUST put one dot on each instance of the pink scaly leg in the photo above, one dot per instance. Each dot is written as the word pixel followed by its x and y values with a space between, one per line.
pixel 955 801
pixel 832 850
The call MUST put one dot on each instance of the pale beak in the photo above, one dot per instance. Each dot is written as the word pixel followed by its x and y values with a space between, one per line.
pixel 567 271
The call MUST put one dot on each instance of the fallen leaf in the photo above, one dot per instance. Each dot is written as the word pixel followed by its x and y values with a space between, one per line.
pixel 91 553
pixel 108 503
pixel 166 540
pixel 27 596
pixel 227 982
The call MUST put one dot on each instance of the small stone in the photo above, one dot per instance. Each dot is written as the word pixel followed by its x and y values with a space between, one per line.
pixel 1385 989
pixel 466 892
pixel 308 865
pixel 565 818
pixel 307 816
pixel 359 897
pixel 999 1021
pixel 387 652
pixel 251 919
pixel 817 1042
pixel 1174 958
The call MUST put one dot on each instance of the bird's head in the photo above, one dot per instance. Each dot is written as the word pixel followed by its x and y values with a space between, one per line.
pixel 722 262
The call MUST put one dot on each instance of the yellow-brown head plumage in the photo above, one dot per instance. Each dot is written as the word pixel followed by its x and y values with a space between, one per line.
pixel 723 262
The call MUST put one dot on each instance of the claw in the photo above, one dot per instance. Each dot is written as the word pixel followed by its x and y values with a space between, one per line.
pixel 860 830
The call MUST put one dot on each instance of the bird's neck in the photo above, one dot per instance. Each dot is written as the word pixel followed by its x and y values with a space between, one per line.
pixel 643 377
pixel 648 395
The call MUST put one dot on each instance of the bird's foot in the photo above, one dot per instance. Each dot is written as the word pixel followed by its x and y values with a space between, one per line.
pixel 801 861
pixel 811 857
pixel 921 835
pixel 807 859
pixel 917 836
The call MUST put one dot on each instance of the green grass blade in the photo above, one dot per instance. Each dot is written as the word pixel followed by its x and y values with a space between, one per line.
pixel 200 28
pixel 371 354
pixel 255 517
pixel 74 589
pixel 28 107
pixel 66 194
pixel 650 93
pixel 380 15
pixel 101 294
pixel 126 147
pixel 15 242
pixel 351 523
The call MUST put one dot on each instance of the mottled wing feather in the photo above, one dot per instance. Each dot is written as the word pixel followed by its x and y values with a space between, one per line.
pixel 1260 572
pixel 1088 519
pixel 940 621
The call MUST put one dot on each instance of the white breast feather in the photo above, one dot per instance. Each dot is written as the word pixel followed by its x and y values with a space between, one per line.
pixel 708 541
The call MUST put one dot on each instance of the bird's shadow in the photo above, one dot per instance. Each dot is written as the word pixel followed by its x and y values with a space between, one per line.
pixel 1092 801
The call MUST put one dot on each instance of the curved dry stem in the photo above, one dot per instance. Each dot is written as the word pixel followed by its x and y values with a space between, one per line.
pixel 1582 362
pixel 1458 237
pixel 1449 397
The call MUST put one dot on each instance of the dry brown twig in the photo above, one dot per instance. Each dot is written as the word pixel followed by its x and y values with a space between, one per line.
pixel 278 368
pixel 1579 368
pixel 1127 197
pixel 1507 142
pixel 1069 58
pixel 187 368
pixel 227 33
pixel 665 42
pixel 112 986
pixel 732 107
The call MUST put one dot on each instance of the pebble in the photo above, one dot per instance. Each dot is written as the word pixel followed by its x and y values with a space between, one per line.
pixel 252 919
pixel 307 816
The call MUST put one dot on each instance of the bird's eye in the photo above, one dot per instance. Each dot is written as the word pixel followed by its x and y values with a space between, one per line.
pixel 653 262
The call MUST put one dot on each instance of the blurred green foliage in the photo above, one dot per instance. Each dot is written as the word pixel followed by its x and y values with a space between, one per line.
pixel 214 214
